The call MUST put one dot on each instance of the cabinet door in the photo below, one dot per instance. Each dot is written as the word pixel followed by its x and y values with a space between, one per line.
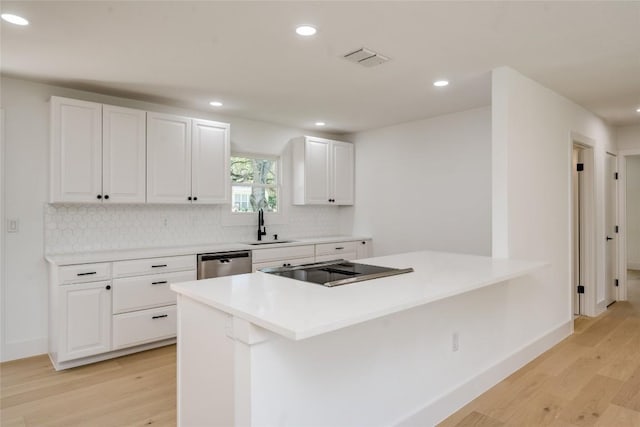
pixel 342 173
pixel 363 249
pixel 316 161
pixel 85 320
pixel 168 158
pixel 76 151
pixel 210 162
pixel 123 155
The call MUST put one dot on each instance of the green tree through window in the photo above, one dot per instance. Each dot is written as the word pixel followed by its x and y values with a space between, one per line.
pixel 254 184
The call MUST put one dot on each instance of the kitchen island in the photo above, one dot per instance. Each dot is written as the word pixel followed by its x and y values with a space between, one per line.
pixel 258 349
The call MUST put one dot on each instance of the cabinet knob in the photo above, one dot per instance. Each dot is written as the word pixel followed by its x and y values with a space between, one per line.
pixel 189 198
pixel 106 196
pixel 108 287
pixel 99 196
pixel 195 198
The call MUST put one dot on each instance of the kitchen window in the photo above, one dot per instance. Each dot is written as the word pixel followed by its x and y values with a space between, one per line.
pixel 254 183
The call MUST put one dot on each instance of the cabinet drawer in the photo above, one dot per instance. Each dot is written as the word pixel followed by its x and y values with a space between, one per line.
pixel 336 248
pixel 276 254
pixel 84 273
pixel 153 265
pixel 280 263
pixel 349 256
pixel 144 326
pixel 135 293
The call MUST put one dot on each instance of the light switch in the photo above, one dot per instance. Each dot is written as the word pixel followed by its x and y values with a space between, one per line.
pixel 12 225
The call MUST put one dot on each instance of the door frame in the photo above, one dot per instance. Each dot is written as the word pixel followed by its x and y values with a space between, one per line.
pixel 588 224
pixel 610 180
pixel 3 238
pixel 622 220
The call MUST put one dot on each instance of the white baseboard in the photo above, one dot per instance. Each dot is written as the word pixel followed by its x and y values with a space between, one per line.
pixel 110 355
pixel 438 410
pixel 20 349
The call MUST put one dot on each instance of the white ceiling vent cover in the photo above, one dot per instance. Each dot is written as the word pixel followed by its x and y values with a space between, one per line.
pixel 366 57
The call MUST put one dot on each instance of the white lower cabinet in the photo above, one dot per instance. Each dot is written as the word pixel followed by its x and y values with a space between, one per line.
pixel 282 257
pixel 143 326
pixel 103 310
pixel 339 250
pixel 85 327
pixel 138 293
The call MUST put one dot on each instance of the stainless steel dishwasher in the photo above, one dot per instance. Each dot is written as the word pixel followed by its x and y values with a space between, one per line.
pixel 218 264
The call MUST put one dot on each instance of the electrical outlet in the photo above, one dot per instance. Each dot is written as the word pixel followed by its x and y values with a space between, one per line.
pixel 13 225
pixel 165 222
pixel 455 342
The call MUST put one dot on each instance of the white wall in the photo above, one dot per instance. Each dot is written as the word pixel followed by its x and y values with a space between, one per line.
pixel 633 211
pixel 628 137
pixel 532 141
pixel 24 310
pixel 425 185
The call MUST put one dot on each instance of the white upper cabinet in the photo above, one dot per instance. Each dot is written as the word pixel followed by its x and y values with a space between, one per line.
pixel 187 160
pixel 97 153
pixel 168 158
pixel 76 151
pixel 210 181
pixel 323 171
pixel 343 173
pixel 108 154
pixel 123 154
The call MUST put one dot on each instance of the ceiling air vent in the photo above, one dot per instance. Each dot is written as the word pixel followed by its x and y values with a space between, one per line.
pixel 366 57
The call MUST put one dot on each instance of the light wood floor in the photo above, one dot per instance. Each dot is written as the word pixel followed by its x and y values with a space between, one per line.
pixel 590 379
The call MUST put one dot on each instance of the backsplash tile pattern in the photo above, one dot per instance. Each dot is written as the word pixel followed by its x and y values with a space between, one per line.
pixel 76 228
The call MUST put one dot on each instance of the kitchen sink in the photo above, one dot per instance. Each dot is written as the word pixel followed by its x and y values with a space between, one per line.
pixel 273 242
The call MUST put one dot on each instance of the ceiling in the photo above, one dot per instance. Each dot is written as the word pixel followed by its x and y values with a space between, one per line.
pixel 247 55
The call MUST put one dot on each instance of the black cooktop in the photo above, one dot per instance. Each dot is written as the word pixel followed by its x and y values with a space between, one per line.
pixel 335 273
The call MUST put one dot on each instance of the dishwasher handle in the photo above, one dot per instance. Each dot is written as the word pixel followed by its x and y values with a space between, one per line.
pixel 224 256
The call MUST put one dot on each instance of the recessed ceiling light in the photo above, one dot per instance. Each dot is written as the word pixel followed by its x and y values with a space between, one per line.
pixel 14 19
pixel 441 83
pixel 215 104
pixel 320 123
pixel 637 110
pixel 306 30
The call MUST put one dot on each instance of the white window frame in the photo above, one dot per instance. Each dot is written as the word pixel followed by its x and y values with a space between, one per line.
pixel 230 218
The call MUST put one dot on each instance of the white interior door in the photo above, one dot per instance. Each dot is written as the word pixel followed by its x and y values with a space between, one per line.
pixel 610 229
pixel 575 193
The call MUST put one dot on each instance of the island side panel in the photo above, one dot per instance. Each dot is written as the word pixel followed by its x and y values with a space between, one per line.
pixel 205 366
pixel 379 372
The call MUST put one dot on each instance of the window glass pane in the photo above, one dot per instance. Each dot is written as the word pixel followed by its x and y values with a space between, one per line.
pixel 250 199
pixel 245 170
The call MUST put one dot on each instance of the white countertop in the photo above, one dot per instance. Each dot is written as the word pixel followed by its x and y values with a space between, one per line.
pixel 126 254
pixel 299 310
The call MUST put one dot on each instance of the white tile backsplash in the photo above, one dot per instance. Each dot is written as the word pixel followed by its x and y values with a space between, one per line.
pixel 76 228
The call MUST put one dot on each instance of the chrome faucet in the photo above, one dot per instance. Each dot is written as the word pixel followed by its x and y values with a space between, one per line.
pixel 262 230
